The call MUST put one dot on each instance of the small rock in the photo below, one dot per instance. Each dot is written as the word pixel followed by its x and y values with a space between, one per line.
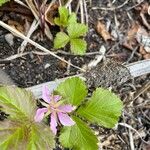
pixel 47 65
pixel 9 39
pixel 31 55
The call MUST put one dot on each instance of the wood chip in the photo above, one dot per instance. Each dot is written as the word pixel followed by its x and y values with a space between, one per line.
pixel 101 29
pixel 130 41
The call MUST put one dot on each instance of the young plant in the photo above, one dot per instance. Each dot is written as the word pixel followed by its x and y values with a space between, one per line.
pixel 70 111
pixel 102 108
pixel 74 32
pixel 19 130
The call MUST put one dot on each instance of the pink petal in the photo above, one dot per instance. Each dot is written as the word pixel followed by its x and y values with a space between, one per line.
pixel 40 114
pixel 55 97
pixel 53 123
pixel 66 108
pixel 45 94
pixel 65 119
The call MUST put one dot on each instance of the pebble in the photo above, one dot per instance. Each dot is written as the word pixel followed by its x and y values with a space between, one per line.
pixel 9 39
pixel 46 66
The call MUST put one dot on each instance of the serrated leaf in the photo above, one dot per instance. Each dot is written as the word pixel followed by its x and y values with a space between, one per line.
pixel 103 108
pixel 21 132
pixel 40 137
pixel 19 136
pixel 17 102
pixel 73 90
pixel 78 137
pixel 3 1
pixel 78 46
pixel 61 40
pixel 62 20
pixel 10 135
pixel 76 30
pixel 72 18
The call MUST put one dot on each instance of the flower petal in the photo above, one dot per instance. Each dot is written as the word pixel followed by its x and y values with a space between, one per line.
pixel 40 114
pixel 65 119
pixel 53 123
pixel 66 108
pixel 55 97
pixel 46 94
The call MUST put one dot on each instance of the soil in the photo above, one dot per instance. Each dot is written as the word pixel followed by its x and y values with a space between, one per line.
pixel 33 69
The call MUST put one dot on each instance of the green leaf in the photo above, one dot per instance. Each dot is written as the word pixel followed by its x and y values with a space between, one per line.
pixel 78 137
pixel 103 108
pixel 60 40
pixel 78 46
pixel 17 102
pixel 73 90
pixel 62 20
pixel 3 1
pixel 40 137
pixel 23 136
pixel 21 132
pixel 76 30
pixel 72 19
pixel 57 21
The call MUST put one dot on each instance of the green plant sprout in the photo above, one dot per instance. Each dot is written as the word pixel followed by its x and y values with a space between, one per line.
pixel 74 32
pixel 65 18
pixel 69 105
pixel 3 2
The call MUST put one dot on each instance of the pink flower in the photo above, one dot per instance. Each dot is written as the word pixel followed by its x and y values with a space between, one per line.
pixel 56 109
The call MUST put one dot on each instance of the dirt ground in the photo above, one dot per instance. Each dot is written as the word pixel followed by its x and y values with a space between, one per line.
pixel 118 17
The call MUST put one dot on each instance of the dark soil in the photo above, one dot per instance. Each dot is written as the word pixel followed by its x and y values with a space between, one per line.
pixel 33 69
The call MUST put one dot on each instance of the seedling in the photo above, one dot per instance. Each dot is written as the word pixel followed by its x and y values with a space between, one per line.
pixel 73 34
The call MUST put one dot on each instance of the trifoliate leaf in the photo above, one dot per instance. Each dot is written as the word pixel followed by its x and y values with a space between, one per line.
pixel 103 108
pixel 62 20
pixel 78 46
pixel 17 102
pixel 72 18
pixel 73 90
pixel 61 40
pixel 3 1
pixel 78 137
pixel 25 136
pixel 76 30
